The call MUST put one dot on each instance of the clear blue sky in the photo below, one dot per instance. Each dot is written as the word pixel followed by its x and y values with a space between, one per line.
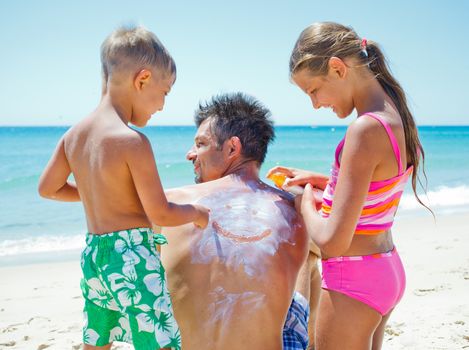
pixel 50 70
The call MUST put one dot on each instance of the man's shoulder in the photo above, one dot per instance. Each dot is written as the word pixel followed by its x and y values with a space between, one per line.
pixel 218 191
pixel 186 194
pixel 252 194
pixel 268 193
pixel 283 195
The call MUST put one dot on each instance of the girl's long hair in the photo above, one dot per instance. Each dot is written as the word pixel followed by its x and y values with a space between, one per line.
pixel 321 41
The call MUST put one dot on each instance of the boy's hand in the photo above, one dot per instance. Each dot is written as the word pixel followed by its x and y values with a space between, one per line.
pixel 202 217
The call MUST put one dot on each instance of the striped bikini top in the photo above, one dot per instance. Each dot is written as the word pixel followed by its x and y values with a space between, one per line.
pixel 383 196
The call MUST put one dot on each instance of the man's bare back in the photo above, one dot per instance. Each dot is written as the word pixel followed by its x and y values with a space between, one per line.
pixel 231 284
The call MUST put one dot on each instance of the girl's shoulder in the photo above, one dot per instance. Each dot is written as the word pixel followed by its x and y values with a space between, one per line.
pixel 367 128
pixel 368 137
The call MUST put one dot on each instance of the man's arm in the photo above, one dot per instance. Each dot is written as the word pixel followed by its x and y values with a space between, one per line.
pixel 53 183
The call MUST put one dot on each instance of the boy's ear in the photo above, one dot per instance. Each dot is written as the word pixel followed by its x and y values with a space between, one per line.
pixel 337 67
pixel 142 79
pixel 234 147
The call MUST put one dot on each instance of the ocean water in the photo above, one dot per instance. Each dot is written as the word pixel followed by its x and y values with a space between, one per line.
pixel 30 224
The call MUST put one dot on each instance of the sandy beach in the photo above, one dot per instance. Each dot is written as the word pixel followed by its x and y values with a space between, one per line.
pixel 40 304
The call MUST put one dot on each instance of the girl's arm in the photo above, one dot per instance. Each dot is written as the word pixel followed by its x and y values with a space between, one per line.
pixel 142 166
pixel 53 183
pixel 358 162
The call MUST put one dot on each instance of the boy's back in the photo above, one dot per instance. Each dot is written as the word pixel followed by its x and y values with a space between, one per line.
pixel 96 150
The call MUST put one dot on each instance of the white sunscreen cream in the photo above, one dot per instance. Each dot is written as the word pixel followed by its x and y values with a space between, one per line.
pixel 244 228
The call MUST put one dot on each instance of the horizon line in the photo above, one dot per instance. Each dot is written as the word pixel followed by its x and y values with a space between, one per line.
pixel 192 125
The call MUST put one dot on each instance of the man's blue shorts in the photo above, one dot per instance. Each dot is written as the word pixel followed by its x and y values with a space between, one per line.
pixel 295 331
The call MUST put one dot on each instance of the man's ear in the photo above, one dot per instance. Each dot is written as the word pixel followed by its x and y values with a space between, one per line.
pixel 337 67
pixel 234 147
pixel 142 79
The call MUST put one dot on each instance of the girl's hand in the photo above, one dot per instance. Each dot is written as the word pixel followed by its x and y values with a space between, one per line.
pixel 202 217
pixel 300 177
pixel 316 199
pixel 311 199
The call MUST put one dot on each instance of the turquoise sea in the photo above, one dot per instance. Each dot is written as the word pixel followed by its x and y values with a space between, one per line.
pixel 31 225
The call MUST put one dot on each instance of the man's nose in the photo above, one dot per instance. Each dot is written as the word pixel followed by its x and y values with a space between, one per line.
pixel 191 155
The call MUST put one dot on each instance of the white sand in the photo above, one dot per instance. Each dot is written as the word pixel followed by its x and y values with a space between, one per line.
pixel 434 312
pixel 40 304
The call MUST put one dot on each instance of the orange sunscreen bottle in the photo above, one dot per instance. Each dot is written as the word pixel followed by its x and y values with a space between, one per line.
pixel 279 180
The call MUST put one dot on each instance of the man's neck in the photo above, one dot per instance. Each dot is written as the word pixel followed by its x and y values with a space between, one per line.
pixel 245 170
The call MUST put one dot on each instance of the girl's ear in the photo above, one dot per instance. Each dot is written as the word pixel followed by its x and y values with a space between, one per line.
pixel 337 67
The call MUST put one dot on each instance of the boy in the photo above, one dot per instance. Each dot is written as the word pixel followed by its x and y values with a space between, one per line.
pixel 124 284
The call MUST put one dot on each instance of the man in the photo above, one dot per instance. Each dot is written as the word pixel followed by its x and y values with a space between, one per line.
pixel 232 284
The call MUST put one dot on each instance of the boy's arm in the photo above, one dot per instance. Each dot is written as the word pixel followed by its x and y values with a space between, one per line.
pixel 141 162
pixel 53 183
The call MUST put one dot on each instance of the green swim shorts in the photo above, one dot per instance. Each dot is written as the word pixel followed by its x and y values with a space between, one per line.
pixel 126 297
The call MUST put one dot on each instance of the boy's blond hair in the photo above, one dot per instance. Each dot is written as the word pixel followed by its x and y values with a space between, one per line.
pixel 133 49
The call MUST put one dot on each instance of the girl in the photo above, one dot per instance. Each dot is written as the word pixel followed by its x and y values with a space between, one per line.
pixel 363 277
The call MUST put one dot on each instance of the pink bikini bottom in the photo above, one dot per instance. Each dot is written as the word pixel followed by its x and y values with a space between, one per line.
pixel 377 280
